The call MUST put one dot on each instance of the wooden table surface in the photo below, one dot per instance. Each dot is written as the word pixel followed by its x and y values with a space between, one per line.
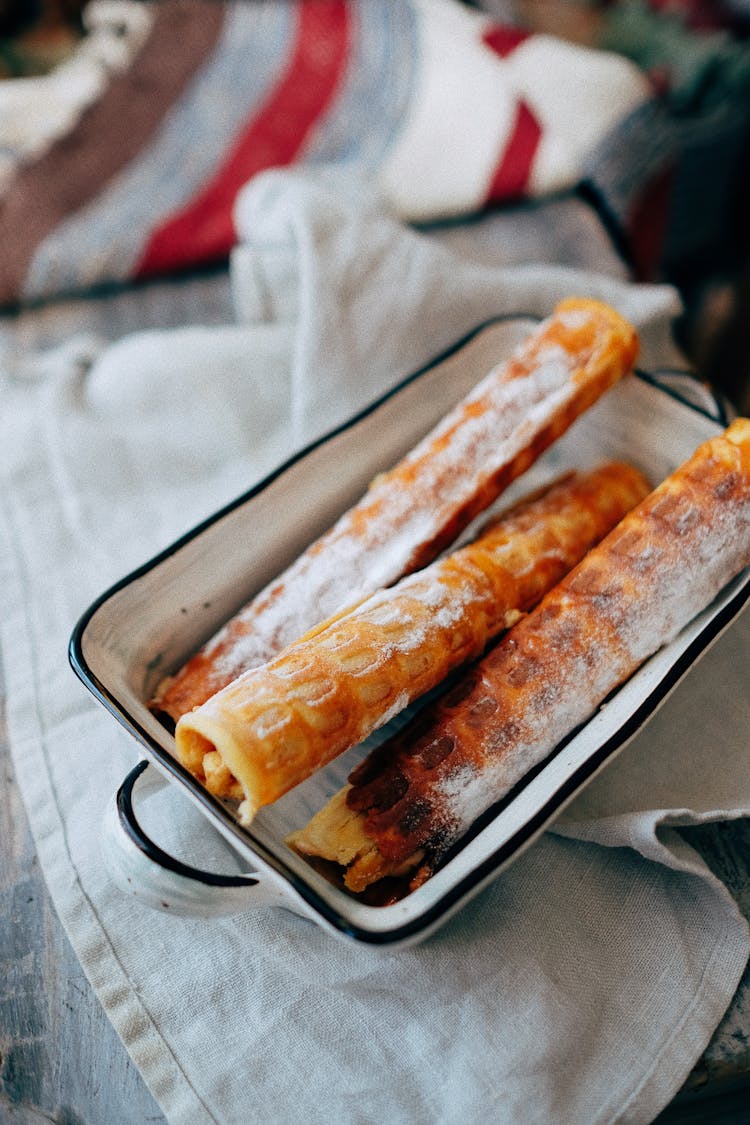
pixel 60 1058
pixel 61 1061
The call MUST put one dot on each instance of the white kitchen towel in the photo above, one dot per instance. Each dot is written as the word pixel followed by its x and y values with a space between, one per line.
pixel 583 985
pixel 371 265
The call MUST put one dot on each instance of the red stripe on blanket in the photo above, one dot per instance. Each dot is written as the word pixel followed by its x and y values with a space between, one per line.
pixel 203 231
pixel 504 40
pixel 512 173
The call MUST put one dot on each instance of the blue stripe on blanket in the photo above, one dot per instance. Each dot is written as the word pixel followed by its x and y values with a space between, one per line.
pixel 379 81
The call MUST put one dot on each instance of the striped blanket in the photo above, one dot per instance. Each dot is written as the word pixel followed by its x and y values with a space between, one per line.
pixel 125 163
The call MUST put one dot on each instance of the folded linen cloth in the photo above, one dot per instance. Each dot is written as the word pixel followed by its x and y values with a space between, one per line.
pixel 583 984
pixel 137 170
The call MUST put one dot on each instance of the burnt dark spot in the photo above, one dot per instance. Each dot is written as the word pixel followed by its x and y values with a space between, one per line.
pixel 436 751
pixel 413 817
pixel 390 790
pixel 482 710
pixel 441 839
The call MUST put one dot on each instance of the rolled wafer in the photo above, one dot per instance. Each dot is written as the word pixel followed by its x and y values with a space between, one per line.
pixel 277 724
pixel 417 794
pixel 414 511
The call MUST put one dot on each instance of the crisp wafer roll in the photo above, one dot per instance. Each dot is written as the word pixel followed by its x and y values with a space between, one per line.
pixel 417 794
pixel 410 514
pixel 275 725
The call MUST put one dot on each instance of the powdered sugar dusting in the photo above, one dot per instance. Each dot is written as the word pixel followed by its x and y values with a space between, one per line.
pixel 408 514
pixel 372 545
pixel 661 566
pixel 326 692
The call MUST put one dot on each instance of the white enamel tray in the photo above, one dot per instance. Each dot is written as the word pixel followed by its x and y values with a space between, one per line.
pixel 151 621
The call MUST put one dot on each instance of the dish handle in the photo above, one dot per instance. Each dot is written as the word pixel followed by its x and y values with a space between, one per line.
pixel 140 868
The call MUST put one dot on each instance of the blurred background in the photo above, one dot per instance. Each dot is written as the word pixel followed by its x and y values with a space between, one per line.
pixel 698 51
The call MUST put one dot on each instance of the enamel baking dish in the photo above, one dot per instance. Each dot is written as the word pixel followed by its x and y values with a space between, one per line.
pixel 152 620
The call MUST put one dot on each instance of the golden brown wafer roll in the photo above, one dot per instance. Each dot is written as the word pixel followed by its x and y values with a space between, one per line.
pixel 277 724
pixel 418 793
pixel 410 514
